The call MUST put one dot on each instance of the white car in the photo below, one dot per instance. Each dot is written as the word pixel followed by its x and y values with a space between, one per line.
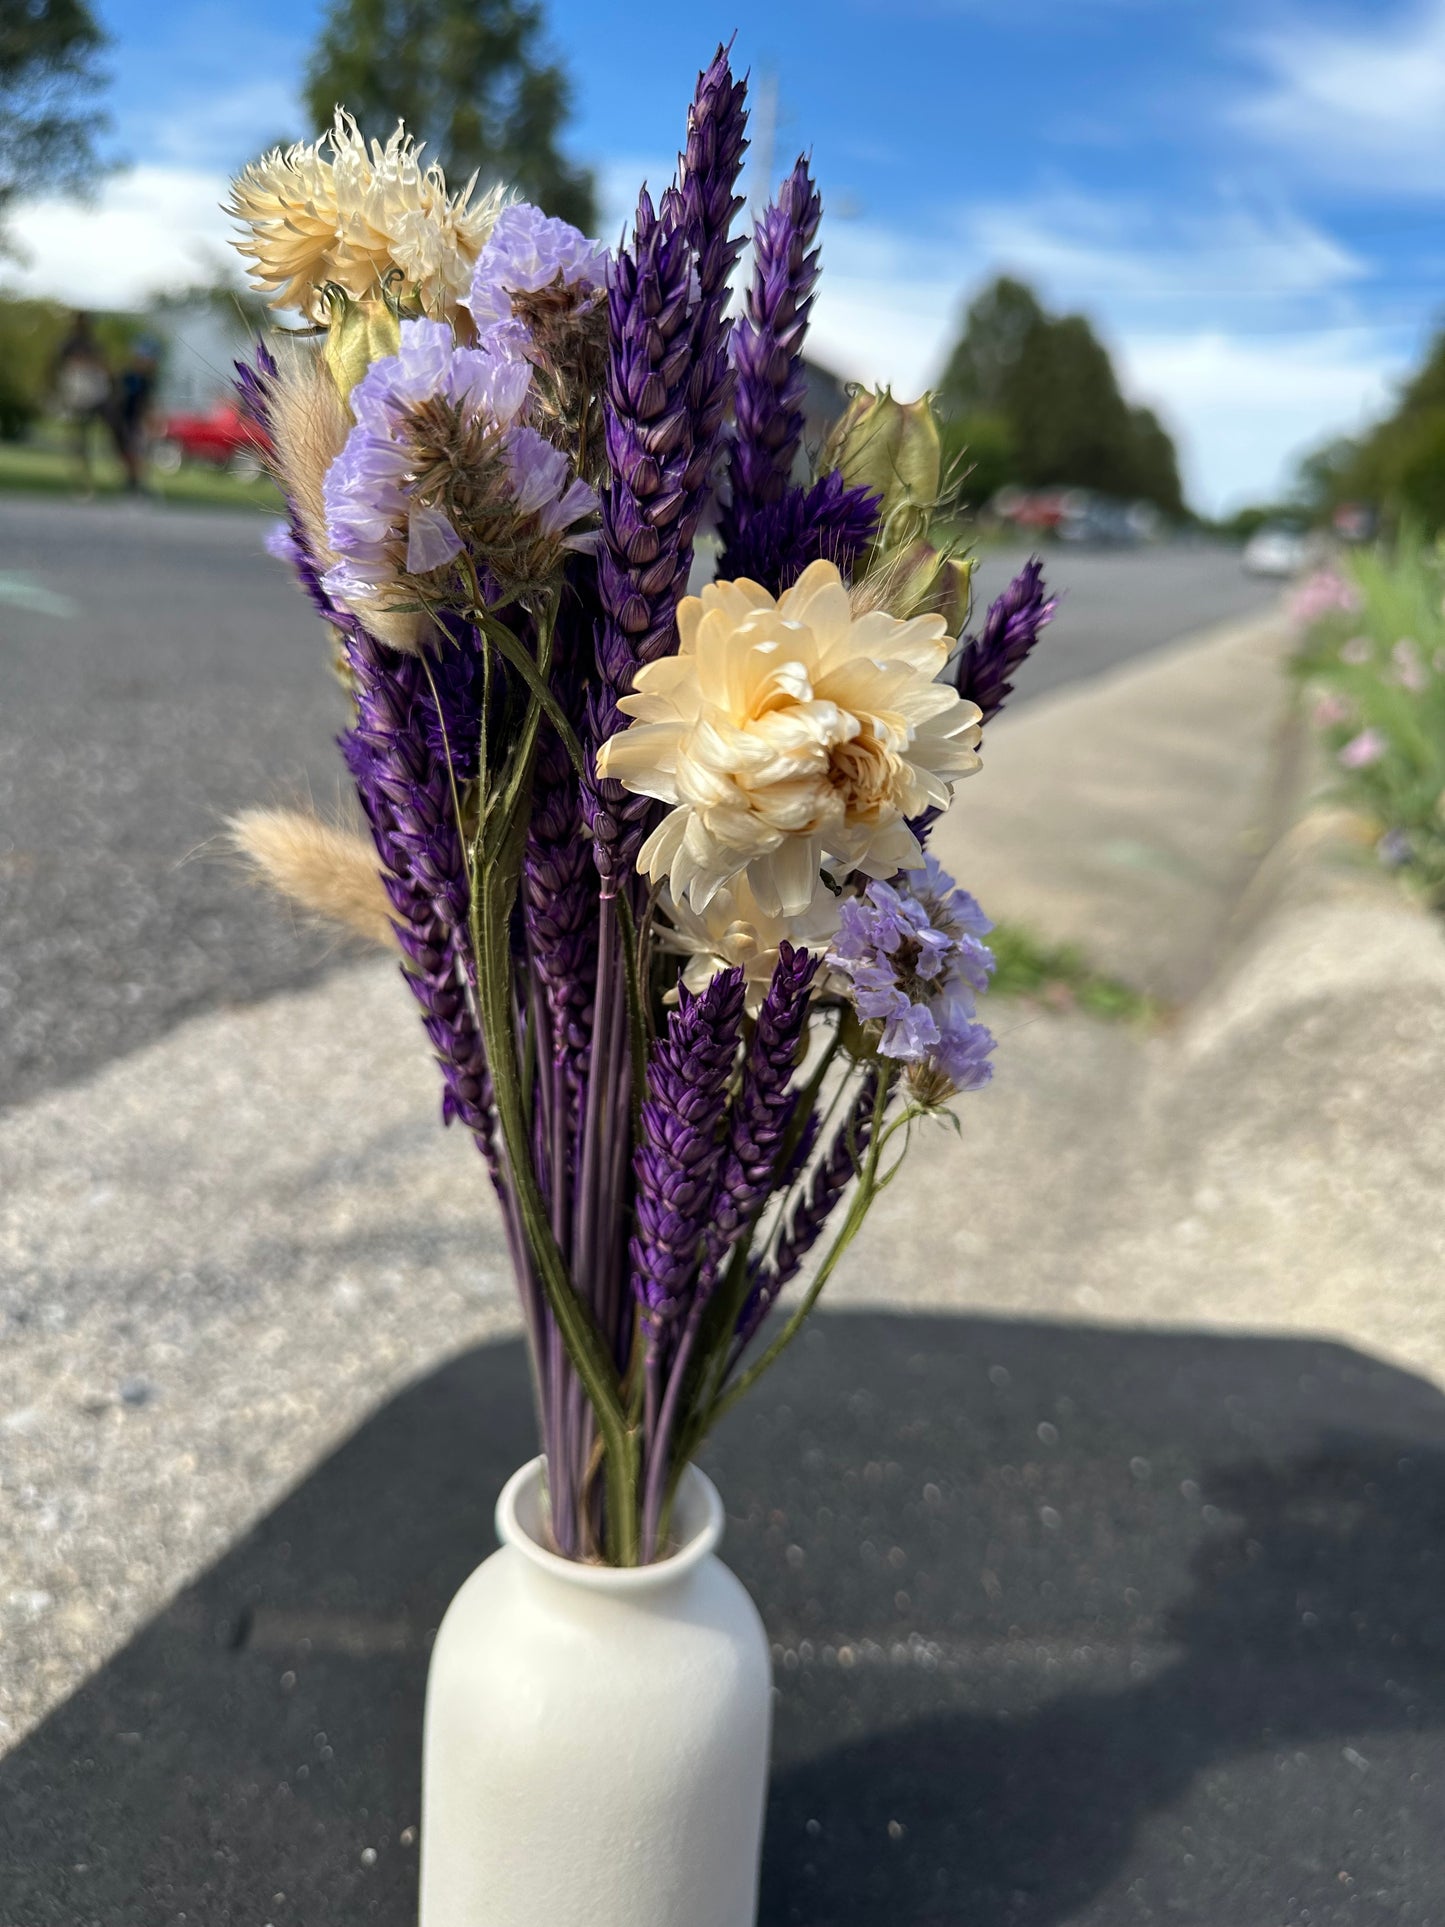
pixel 1278 550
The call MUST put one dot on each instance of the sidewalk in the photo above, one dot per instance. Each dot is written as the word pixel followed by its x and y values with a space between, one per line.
pixel 227 1250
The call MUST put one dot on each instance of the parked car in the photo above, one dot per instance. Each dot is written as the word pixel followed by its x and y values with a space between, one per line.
pixel 221 437
pixel 1279 549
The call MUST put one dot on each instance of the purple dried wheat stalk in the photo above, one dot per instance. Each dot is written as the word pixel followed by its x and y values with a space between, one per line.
pixel 680 1149
pixel 406 795
pixel 667 393
pixel 761 1111
pixel 831 1177
pixel 1010 630
pixel 767 348
pixel 772 528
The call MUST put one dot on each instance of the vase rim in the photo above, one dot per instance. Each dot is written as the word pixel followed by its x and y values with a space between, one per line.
pixel 698 1513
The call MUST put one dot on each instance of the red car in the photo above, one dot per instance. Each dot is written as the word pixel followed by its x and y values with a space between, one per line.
pixel 221 437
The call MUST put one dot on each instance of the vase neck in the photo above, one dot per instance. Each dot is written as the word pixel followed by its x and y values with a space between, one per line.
pixel 697 1521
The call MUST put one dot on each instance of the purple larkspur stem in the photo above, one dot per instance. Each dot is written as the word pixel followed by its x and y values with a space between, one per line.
pixel 668 387
pixel 406 796
pixel 760 1114
pixel 642 562
pixel 825 522
pixel 559 901
pixel 703 204
pixel 677 1165
pixel 831 1177
pixel 758 1120
pixel 773 528
pixel 986 662
pixel 767 348
pixel 681 1146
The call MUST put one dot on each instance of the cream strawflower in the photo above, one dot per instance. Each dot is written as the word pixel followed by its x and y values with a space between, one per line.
pixel 735 930
pixel 352 218
pixel 788 734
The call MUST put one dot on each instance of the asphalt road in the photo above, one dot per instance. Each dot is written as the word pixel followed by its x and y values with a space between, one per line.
pixel 1071 1628
pixel 158 671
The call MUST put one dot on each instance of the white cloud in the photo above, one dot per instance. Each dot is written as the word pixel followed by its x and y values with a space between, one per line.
pixel 1177 307
pixel 1209 316
pixel 1130 252
pixel 1244 410
pixel 1361 104
pixel 150 228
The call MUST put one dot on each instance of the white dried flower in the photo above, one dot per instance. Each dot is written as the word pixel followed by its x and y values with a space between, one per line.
pixel 735 931
pixel 352 218
pixel 787 735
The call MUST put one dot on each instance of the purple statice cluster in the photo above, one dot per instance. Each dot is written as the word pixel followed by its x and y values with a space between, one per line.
pixel 913 957
pixel 527 252
pixel 501 541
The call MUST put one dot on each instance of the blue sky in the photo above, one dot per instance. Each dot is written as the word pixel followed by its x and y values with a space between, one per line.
pixel 1247 196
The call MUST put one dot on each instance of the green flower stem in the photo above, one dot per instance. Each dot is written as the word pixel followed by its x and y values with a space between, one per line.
pixel 496 876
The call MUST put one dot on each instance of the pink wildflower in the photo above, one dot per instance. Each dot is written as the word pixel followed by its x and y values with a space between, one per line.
pixel 1410 672
pixel 1363 750
pixel 1325 593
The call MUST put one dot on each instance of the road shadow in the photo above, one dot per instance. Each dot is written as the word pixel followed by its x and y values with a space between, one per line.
pixel 1071 1626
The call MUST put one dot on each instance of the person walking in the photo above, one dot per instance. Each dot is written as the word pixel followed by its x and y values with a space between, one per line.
pixel 82 385
pixel 135 388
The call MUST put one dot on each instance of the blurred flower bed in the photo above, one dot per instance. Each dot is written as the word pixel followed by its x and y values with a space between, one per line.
pixel 1372 658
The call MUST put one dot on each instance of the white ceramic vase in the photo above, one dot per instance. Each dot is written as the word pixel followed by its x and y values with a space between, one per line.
pixel 596 1748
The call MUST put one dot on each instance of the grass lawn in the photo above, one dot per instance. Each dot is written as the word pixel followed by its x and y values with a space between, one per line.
pixel 49 470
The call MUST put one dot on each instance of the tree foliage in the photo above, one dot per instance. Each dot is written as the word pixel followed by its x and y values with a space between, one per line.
pixel 469 77
pixel 1040 393
pixel 1398 466
pixel 49 75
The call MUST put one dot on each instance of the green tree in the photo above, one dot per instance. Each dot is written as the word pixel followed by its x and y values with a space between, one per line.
pixel 49 76
pixel 1046 384
pixel 997 329
pixel 1154 464
pixel 469 77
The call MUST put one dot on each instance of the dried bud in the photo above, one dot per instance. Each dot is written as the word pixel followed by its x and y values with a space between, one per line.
pixel 955 592
pixel 892 448
pixel 360 333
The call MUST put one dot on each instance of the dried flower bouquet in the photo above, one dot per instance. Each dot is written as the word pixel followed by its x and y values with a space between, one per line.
pixel 656 862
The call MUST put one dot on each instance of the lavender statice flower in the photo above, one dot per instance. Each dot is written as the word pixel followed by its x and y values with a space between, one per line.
pixel 544 486
pixel 913 958
pixel 380 514
pixel 987 661
pixel 280 543
pixel 680 1149
pixel 526 252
